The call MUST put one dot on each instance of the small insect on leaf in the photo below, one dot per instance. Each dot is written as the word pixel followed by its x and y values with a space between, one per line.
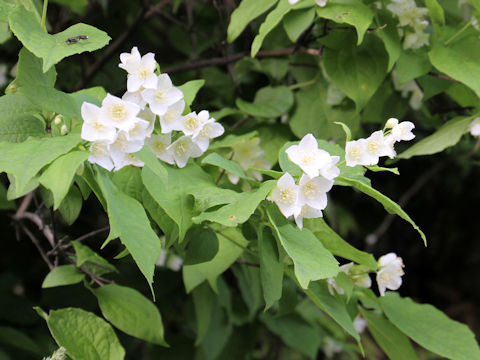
pixel 74 39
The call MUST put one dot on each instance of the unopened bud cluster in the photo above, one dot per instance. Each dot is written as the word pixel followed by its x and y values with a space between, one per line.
pixel 122 126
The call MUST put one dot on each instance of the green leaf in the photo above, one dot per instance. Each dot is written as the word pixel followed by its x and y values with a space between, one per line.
pixel 447 135
pixel 229 165
pixel 389 35
pixel 53 48
pixel 271 269
pixel 230 246
pixel 431 328
pixel 190 90
pixel 296 22
pixel 248 280
pixel 376 168
pixel 464 50
pixel 389 205
pixel 311 260
pixel 131 312
pixel 239 210
pixel 89 259
pixel 436 13
pixel 269 102
pixel 5 9
pixel 71 205
pixel 203 299
pixel 129 221
pixel 247 11
pixel 24 160
pixel 5 204
pixel 352 12
pixel 395 344
pixel 29 71
pixel 232 140
pixel 295 332
pixel 129 181
pixel 202 246
pixel 358 71
pixel 18 121
pixel 337 246
pixel 59 175
pixel 84 335
pixel 271 21
pixel 411 65
pixel 63 275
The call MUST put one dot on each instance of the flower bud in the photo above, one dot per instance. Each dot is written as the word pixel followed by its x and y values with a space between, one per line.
pixel 63 130
pixel 58 120
pixel 391 123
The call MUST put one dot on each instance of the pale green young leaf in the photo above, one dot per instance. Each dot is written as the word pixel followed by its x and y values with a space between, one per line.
pixel 231 244
pixel 269 102
pixel 352 12
pixel 129 221
pixel 231 166
pixel 29 71
pixel 296 22
pixel 71 205
pixel 24 160
pixel 358 71
pixel 93 95
pixel 84 335
pixel 336 245
pixel 389 205
pixel 89 259
pixel 239 210
pixel 247 11
pixel 53 48
pixel 311 260
pixel 131 312
pixel 447 135
pixel 395 344
pixel 59 174
pixel 63 275
pixel 271 269
pixel 431 328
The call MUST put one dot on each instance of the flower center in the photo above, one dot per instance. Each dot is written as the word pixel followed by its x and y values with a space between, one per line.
pixel 182 148
pixel 160 146
pixel 287 196
pixel 99 149
pixel 308 157
pixel 310 190
pixel 355 153
pixel 118 112
pixel 161 96
pixel 191 123
pixel 373 147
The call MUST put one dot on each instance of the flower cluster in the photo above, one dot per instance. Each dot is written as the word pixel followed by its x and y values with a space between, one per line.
pixel 379 143
pixel 248 154
pixel 411 17
pixel 389 275
pixel 122 126
pixel 309 197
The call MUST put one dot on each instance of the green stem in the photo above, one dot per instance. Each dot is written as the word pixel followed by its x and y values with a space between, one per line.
pixel 44 14
pixel 304 84
pixel 341 163
pixel 459 32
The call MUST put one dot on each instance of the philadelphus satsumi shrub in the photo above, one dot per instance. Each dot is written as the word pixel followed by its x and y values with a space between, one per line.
pixel 122 126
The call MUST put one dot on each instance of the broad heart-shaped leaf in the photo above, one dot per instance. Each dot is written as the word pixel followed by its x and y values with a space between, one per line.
pixel 357 70
pixel 464 50
pixel 239 210
pixel 352 12
pixel 176 193
pixel 18 122
pixel 24 160
pixel 202 246
pixel 247 11
pixel 230 246
pixel 63 275
pixel 447 135
pixel 59 175
pixel 53 48
pixel 131 312
pixel 412 64
pixel 269 102
pixel 395 344
pixel 29 71
pixel 296 22
pixel 431 328
pixel 190 90
pixel 84 335
pixel 336 245
pixel 311 260
pixel 130 223
pixel 90 260
pixel 271 269
pixel 71 205
pixel 389 205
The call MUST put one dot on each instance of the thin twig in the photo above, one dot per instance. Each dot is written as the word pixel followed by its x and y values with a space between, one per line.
pixel 223 171
pixel 25 203
pixel 444 77
pixel 37 245
pixel 47 232
pixel 92 233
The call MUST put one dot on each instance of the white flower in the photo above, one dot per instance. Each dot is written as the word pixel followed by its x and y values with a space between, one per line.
pixel 389 275
pixel 285 195
pixel 358 274
pixel 307 212
pixel 123 145
pixel 191 124
pixel 159 144
pixel 356 152
pixel 101 155
pixel 118 113
pixel 415 101
pixel 321 3
pixel 360 324
pixel 308 156
pixel 135 97
pixel 313 191
pixel 330 170
pixel 391 123
pixel 293 1
pixel 376 146
pixel 140 70
pixel 162 96
pixel 92 128
pixel 415 40
pixel 475 127
pixel 333 286
pixel 403 131
pixel 183 149
pixel 209 130
pixel 147 115
pixel 407 11
pixel 171 119
pixel 139 131
pixel 123 159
